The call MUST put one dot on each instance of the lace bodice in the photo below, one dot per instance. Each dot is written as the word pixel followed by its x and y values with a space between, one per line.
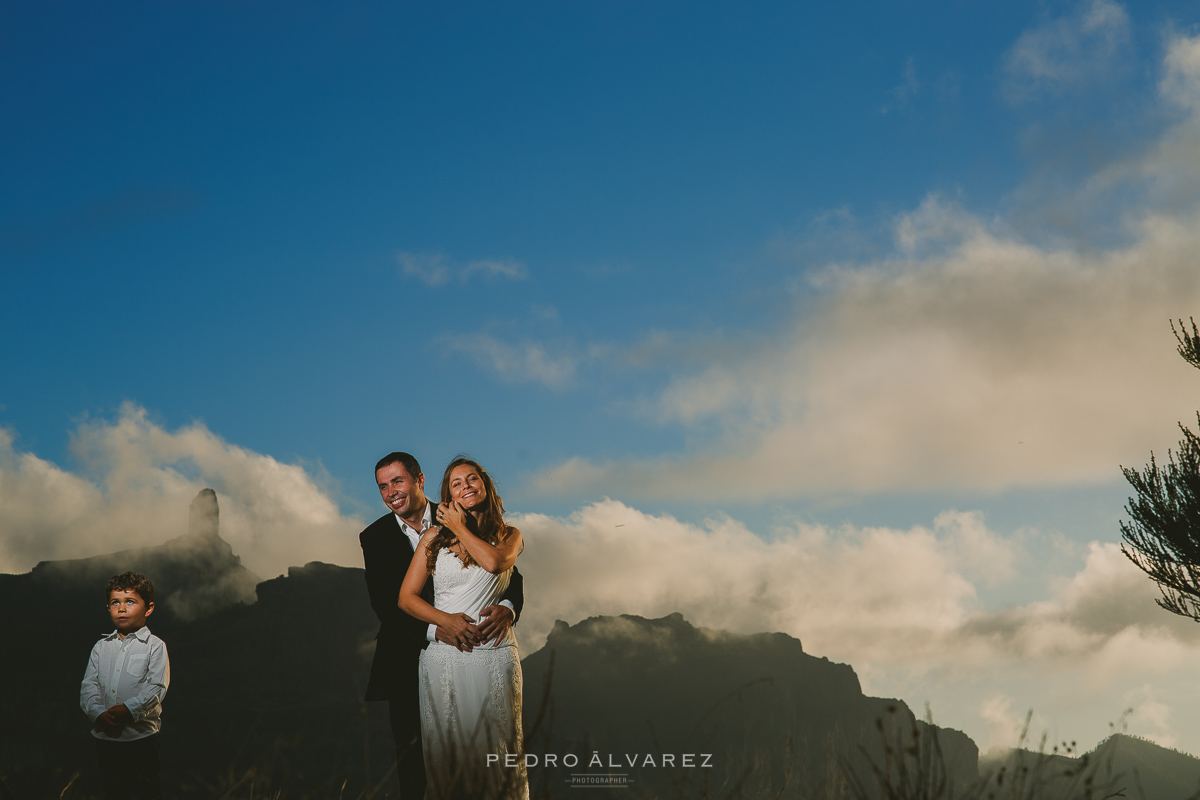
pixel 468 590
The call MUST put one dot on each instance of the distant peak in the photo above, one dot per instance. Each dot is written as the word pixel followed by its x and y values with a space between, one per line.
pixel 204 515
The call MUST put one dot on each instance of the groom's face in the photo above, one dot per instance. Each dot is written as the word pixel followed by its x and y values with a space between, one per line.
pixel 402 493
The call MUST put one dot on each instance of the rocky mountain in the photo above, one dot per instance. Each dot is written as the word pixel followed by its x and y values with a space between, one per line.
pixel 268 678
pixel 762 717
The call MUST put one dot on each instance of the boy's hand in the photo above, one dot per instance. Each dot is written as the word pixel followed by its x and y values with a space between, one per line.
pixel 105 723
pixel 120 714
pixel 114 719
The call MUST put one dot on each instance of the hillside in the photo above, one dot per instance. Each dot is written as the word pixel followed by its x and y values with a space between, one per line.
pixel 774 718
pixel 1139 768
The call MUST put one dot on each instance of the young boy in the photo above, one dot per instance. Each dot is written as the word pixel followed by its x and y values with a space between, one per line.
pixel 122 692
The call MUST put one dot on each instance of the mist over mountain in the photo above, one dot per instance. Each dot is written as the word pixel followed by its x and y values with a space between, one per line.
pixel 268 678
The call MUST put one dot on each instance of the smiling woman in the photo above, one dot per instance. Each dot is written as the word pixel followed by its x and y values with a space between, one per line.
pixel 469 503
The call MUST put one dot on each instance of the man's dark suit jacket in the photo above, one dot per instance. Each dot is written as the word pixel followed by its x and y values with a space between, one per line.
pixel 386 556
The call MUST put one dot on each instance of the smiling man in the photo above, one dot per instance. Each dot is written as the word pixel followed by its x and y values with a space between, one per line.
pixel 388 545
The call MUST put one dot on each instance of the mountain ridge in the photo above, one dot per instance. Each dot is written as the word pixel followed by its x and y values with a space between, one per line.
pixel 268 682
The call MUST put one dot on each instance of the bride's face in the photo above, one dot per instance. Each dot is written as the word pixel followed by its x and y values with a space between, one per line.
pixel 466 487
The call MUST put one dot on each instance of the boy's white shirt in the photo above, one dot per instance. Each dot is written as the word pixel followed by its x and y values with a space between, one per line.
pixel 133 670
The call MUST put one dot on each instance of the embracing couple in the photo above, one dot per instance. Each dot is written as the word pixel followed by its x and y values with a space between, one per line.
pixel 445 656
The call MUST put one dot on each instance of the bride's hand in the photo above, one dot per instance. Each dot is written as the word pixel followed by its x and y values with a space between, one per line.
pixel 462 630
pixel 451 515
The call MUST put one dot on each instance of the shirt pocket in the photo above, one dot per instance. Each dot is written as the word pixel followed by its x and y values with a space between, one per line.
pixel 135 666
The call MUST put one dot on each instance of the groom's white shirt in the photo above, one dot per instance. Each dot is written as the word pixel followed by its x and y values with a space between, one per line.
pixel 414 536
pixel 412 533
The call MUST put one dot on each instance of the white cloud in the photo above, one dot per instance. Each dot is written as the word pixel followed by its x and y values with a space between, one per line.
pixel 1066 52
pixel 1149 716
pixel 860 594
pixel 986 363
pixel 971 357
pixel 134 487
pixel 870 593
pixel 899 605
pixel 525 362
pixel 1004 724
pixel 1181 79
pixel 434 269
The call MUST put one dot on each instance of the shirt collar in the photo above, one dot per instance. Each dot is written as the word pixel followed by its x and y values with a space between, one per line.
pixel 142 634
pixel 426 519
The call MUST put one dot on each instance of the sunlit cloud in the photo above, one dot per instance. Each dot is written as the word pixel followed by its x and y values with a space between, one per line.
pixel 994 364
pixel 970 357
pixel 900 605
pixel 133 487
pixel 1004 723
pixel 862 594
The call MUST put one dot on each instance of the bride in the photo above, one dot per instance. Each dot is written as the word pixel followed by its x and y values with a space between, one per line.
pixel 470 697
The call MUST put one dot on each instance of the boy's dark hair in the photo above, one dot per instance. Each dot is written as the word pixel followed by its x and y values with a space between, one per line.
pixel 404 459
pixel 130 582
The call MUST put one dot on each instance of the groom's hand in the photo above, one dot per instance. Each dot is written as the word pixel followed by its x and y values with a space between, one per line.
pixel 445 637
pixel 462 630
pixel 494 621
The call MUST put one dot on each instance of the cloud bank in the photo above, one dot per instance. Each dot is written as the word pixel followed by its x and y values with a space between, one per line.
pixel 133 487
pixel 900 605
pixel 863 594
pixel 969 358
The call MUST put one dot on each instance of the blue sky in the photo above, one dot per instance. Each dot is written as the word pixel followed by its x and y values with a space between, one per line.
pixel 213 199
pixel 762 265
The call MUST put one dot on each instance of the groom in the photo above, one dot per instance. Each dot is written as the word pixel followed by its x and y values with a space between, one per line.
pixel 388 545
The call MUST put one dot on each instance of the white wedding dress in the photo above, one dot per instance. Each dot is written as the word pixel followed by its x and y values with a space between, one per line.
pixel 471 702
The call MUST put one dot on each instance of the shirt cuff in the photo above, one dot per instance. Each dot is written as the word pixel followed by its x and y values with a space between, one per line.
pixel 508 604
pixel 431 634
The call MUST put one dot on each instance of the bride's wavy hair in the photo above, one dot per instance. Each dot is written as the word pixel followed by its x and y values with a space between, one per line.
pixel 490 527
